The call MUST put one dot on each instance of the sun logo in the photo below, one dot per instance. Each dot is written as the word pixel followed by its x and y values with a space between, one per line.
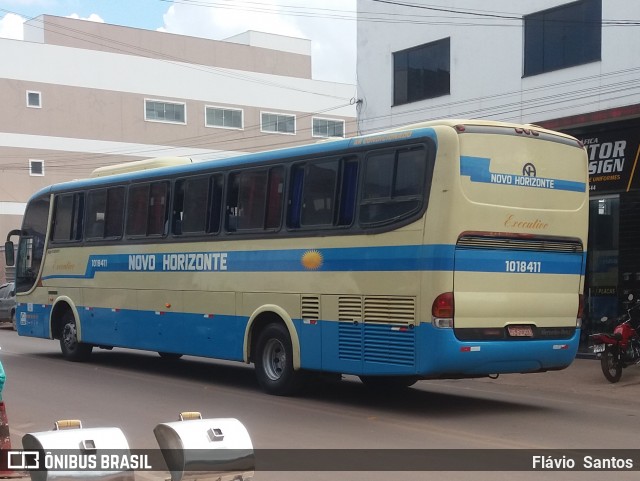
pixel 312 260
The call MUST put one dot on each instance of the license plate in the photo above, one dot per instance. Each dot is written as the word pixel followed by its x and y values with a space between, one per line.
pixel 520 331
pixel 598 348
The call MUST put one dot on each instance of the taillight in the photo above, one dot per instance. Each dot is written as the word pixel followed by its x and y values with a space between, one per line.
pixel 443 306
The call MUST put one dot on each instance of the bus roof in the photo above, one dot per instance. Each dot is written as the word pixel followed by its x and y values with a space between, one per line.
pixel 169 167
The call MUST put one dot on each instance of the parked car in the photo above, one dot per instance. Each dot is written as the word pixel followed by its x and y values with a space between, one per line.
pixel 8 303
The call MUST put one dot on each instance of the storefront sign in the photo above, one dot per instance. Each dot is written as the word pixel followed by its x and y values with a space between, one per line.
pixel 613 158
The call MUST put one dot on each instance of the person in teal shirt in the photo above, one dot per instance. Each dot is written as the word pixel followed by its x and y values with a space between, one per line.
pixel 3 377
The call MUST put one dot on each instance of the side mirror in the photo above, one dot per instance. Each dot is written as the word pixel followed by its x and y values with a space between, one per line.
pixel 630 297
pixel 9 253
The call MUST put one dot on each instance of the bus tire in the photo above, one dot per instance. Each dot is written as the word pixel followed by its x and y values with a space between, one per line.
pixel 384 383
pixel 72 349
pixel 274 362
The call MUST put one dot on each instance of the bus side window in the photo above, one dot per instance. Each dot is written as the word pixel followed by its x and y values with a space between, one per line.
pixel 177 211
pixel 96 214
pixel 295 196
pixel 215 204
pixel 232 208
pixel 251 199
pixel 114 213
pixel 394 185
pixel 348 192
pixel 319 193
pixel 275 194
pixel 196 194
pixel 137 207
pixel 68 217
pixel 157 209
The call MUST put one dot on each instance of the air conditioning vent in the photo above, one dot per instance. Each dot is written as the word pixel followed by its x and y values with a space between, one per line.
pixel 350 308
pixel 390 310
pixel 540 244
pixel 310 307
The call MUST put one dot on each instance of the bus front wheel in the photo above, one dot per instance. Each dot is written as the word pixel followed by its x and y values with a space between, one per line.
pixel 274 362
pixel 72 349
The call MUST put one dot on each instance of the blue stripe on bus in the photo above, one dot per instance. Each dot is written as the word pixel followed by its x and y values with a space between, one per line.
pixel 478 170
pixel 353 259
pixel 345 347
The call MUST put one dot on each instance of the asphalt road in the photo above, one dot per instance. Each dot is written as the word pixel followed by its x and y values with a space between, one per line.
pixel 572 409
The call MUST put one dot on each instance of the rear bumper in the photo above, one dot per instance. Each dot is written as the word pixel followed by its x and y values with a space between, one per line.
pixel 445 355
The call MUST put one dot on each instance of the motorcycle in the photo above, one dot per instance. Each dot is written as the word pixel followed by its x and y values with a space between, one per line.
pixel 621 348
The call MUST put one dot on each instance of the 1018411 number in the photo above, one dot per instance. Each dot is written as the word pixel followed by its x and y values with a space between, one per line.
pixel 523 266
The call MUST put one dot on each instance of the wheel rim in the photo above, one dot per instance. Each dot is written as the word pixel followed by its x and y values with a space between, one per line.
pixel 274 359
pixel 70 337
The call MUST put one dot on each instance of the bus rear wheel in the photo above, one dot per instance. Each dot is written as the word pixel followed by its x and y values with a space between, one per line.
pixel 274 362
pixel 72 349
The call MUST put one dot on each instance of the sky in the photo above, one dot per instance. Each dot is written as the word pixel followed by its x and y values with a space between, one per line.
pixel 329 24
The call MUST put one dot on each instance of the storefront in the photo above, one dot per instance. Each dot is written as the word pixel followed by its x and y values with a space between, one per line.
pixel 613 258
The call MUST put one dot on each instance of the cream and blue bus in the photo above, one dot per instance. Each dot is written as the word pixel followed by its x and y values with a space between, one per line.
pixel 447 249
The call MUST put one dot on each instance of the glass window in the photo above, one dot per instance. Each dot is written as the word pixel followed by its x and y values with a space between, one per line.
pixel 215 204
pixel 225 118
pixel 421 72
pixel 32 240
pixel 160 111
pixel 254 200
pixel 562 37
pixel 114 212
pixel 96 214
pixel 137 208
pixel 196 205
pixel 157 209
pixel 328 128
pixel 105 212
pixel 33 99
pixel 319 194
pixel 275 196
pixel 278 123
pixel 36 167
pixel 323 193
pixel 68 215
pixel 147 209
pixel 394 185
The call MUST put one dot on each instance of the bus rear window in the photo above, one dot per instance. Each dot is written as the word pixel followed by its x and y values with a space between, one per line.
pixel 394 185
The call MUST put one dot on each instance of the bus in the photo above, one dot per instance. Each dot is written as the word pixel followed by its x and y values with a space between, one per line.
pixel 448 249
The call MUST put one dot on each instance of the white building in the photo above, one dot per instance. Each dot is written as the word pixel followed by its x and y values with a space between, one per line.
pixel 79 95
pixel 517 61
pixel 568 65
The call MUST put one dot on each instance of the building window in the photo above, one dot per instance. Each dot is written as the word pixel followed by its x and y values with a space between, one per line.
pixel 34 99
pixel 278 123
pixel 160 111
pixel 563 37
pixel 328 127
pixel 421 72
pixel 223 118
pixel 36 167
